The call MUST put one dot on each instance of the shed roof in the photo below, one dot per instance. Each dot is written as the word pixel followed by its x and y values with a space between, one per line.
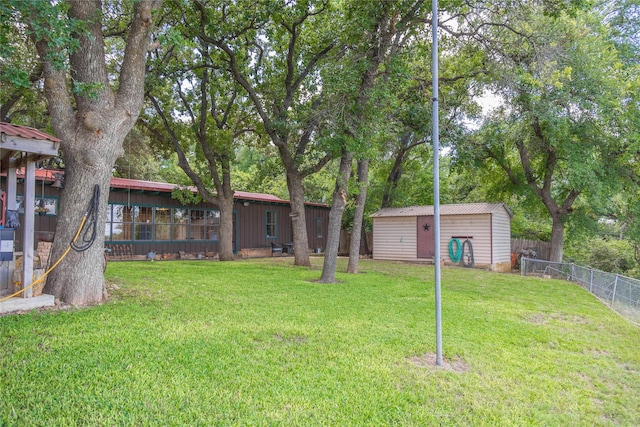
pixel 453 209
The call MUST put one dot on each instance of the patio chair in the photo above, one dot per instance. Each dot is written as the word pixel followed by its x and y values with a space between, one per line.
pixel 276 248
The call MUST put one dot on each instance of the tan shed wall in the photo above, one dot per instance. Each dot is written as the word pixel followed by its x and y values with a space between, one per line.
pixel 476 226
pixel 394 238
pixel 501 224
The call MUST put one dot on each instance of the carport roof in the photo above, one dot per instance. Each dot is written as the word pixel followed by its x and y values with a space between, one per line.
pixel 26 132
pixel 454 209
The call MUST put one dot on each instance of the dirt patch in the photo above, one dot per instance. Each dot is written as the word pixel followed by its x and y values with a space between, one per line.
pixel 428 360
pixel 541 318
pixel 294 339
pixel 535 318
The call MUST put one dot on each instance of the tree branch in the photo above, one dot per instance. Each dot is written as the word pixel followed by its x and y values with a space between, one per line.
pixel 130 96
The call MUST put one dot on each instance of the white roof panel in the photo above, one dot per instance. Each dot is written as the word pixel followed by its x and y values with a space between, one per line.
pixel 454 209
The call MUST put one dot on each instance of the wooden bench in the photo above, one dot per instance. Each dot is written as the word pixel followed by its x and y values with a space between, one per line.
pixel 119 251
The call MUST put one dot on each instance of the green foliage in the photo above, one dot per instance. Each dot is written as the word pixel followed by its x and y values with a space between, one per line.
pixel 186 196
pixel 47 21
pixel 562 136
pixel 259 343
pixel 89 90
pixel 259 170
pixel 141 160
pixel 610 255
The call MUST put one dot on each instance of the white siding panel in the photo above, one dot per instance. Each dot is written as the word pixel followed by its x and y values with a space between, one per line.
pixel 501 237
pixel 395 238
pixel 476 226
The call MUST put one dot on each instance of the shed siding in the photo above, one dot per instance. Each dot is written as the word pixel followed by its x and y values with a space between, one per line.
pixel 395 238
pixel 501 225
pixel 477 227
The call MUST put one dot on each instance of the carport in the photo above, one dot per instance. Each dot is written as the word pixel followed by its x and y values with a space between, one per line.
pixel 21 147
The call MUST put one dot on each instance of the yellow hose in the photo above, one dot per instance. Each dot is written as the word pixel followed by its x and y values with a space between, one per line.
pixel 41 278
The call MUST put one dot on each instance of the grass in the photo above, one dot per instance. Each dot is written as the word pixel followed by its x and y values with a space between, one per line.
pixel 259 343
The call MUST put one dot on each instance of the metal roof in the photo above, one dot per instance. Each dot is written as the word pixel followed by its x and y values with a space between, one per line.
pixel 164 187
pixel 26 132
pixel 453 209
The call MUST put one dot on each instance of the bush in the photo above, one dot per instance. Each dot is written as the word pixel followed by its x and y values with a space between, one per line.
pixel 614 256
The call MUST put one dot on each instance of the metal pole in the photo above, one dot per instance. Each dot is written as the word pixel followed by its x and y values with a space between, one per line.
pixel 436 177
pixel 615 285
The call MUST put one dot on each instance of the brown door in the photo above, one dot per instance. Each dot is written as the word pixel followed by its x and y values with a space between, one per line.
pixel 426 248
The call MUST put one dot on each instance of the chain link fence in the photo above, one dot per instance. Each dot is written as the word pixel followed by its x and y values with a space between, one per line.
pixel 619 292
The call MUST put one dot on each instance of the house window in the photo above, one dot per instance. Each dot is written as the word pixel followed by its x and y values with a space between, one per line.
pixel 214 225
pixel 142 223
pixel 180 224
pixel 198 226
pixel 320 228
pixel 162 221
pixel 43 205
pixel 157 223
pixel 121 222
pixel 271 224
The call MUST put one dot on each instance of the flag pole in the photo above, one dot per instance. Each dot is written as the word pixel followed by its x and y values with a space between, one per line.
pixel 436 178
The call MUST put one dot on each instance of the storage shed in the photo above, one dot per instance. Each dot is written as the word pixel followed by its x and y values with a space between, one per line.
pixel 407 233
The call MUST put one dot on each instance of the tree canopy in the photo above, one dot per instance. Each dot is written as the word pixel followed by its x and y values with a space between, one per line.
pixel 286 97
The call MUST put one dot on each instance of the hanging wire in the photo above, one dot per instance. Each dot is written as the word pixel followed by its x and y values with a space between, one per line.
pixel 89 229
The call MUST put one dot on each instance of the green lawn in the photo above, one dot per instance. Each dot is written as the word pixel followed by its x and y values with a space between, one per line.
pixel 259 343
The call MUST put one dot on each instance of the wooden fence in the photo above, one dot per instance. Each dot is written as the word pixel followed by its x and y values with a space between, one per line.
pixel 524 246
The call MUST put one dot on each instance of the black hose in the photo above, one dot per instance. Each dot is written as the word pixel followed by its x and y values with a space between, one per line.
pixel 467 256
pixel 89 230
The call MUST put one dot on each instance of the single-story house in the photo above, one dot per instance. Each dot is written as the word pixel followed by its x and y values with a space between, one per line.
pixel 407 233
pixel 143 217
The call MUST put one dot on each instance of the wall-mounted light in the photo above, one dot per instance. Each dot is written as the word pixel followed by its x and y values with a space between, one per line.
pixel 245 204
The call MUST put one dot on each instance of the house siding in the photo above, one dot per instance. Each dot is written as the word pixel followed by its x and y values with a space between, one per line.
pixel 250 222
pixel 315 215
pixel 395 238
pixel 251 225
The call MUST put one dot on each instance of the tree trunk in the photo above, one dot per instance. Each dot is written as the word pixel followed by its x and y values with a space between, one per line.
pixel 557 238
pixel 92 127
pixel 392 180
pixel 298 220
pixel 358 216
pixel 225 242
pixel 79 279
pixel 364 241
pixel 335 219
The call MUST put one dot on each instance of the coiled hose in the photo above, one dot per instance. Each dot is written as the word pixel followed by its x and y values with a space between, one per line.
pixel 467 256
pixel 456 254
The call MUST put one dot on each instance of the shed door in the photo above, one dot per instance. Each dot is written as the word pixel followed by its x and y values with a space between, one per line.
pixel 426 247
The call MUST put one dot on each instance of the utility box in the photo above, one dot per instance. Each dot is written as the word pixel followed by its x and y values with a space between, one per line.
pixel 6 244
